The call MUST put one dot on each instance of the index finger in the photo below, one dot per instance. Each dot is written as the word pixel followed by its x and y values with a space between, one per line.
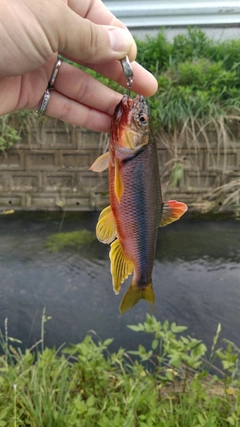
pixel 144 83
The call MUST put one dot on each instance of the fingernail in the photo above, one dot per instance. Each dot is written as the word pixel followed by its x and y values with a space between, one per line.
pixel 120 40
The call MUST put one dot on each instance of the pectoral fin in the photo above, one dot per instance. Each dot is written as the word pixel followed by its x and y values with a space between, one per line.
pixel 106 226
pixel 101 163
pixel 134 294
pixel 118 183
pixel 172 211
pixel 121 267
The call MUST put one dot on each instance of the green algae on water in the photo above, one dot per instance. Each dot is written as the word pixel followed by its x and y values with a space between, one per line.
pixel 74 239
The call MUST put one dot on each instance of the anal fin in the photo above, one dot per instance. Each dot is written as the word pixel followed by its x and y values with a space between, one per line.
pixel 121 267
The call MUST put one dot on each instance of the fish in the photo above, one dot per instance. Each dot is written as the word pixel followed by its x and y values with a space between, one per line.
pixel 130 224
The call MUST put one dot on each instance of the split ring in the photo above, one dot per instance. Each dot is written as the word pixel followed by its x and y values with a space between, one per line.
pixel 46 96
pixel 54 74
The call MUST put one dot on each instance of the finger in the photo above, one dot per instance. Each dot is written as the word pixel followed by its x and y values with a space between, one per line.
pixel 80 86
pixel 144 83
pixel 87 41
pixel 70 111
pixel 81 100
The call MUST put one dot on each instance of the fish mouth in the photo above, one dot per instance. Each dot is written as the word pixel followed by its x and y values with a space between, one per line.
pixel 130 123
pixel 129 103
pixel 128 110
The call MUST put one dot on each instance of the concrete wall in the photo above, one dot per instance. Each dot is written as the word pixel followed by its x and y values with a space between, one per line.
pixel 49 168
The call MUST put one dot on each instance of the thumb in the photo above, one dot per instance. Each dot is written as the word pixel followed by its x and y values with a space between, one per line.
pixel 86 41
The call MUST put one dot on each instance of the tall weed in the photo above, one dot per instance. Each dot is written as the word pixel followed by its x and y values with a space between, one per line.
pixel 168 384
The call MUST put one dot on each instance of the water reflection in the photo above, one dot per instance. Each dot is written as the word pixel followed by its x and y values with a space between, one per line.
pixel 196 280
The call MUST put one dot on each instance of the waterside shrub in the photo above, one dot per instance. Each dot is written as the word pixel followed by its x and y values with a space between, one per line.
pixel 198 96
pixel 198 77
pixel 168 384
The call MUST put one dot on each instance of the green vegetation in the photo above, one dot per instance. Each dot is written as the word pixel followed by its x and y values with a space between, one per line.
pixel 75 239
pixel 166 385
pixel 14 125
pixel 197 103
pixel 8 135
pixel 198 77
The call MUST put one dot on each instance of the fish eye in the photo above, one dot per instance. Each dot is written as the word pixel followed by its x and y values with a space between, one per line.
pixel 143 118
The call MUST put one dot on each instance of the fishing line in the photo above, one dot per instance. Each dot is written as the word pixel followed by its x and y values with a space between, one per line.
pixel 61 223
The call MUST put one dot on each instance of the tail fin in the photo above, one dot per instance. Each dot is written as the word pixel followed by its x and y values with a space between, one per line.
pixel 134 294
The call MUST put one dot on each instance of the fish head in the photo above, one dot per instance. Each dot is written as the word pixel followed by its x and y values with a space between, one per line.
pixel 130 124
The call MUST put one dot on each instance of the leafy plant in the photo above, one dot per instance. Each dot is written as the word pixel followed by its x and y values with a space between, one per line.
pixel 8 135
pixel 198 96
pixel 166 385
pixel 174 356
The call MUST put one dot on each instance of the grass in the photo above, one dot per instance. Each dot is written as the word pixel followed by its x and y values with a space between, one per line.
pixel 228 194
pixel 198 78
pixel 197 104
pixel 166 385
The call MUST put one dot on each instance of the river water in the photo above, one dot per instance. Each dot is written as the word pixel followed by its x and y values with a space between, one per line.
pixel 196 280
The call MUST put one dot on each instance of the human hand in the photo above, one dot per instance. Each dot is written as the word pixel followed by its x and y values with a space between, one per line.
pixel 33 32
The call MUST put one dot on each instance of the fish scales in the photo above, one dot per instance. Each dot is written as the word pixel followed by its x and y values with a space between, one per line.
pixel 138 214
pixel 130 224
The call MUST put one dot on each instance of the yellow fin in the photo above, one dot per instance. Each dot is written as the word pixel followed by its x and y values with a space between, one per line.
pixel 106 226
pixel 172 211
pixel 7 212
pixel 101 163
pixel 121 267
pixel 134 294
pixel 118 184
